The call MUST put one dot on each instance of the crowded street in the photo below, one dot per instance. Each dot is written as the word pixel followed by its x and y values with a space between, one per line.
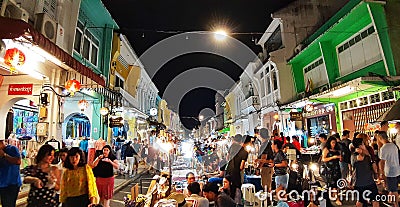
pixel 212 103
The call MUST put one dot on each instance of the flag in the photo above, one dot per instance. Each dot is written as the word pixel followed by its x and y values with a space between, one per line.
pixel 309 86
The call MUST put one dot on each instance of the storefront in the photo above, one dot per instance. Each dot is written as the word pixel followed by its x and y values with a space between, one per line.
pixel 320 119
pixel 22 120
pixel 361 114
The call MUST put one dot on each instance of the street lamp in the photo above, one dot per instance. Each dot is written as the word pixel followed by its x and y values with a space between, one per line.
pixel 201 117
pixel 220 35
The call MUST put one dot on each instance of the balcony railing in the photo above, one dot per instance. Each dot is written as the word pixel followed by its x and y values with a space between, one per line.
pixel 250 103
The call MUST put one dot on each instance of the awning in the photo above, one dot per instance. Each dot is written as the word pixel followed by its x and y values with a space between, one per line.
pixel 15 28
pixel 392 114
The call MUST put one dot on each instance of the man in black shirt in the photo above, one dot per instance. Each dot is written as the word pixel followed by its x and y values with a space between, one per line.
pixel 265 156
pixel 346 154
pixel 237 157
pixel 130 159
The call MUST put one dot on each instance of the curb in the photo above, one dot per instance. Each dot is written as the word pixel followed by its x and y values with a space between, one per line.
pixel 128 181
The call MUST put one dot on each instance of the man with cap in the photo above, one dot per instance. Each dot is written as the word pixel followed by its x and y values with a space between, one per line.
pixel 10 179
pixel 265 156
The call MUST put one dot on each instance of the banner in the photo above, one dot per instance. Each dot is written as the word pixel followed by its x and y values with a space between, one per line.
pixel 20 89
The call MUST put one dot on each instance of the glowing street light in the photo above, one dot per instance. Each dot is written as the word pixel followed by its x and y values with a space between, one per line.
pixel 201 117
pixel 220 35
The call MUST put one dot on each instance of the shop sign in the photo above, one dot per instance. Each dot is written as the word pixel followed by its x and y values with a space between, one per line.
pixel 322 110
pixel 296 116
pixel 116 122
pixel 20 89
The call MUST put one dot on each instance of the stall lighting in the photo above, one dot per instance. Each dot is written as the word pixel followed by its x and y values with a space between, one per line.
pixel 83 104
pixel 72 86
pixel 313 167
pixel 14 58
pixel 249 148
pixel 104 111
pixel 311 140
pixel 276 116
pixel 342 91
pixel 46 55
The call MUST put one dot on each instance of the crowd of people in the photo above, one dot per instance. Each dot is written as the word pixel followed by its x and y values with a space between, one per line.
pixel 72 182
pixel 365 162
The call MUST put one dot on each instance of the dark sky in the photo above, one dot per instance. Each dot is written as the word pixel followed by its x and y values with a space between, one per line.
pixel 147 22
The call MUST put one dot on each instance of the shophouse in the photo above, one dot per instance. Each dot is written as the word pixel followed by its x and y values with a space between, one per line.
pixel 348 66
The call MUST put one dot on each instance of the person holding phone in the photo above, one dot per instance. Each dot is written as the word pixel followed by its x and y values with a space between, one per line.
pixel 103 167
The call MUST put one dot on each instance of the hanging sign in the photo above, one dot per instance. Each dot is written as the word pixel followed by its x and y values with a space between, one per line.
pixel 296 116
pixel 116 122
pixel 20 89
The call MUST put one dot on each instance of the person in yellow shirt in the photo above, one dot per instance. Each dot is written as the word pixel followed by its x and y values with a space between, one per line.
pixel 78 185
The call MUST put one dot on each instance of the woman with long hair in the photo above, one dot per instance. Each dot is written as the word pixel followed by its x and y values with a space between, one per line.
pixel 226 186
pixel 78 185
pixel 331 157
pixel 103 170
pixel 44 179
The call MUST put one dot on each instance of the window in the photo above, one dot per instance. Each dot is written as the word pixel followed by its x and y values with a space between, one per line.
pixel 119 82
pixel 86 44
pixel 316 72
pixel 359 51
pixel 268 84
pixel 275 80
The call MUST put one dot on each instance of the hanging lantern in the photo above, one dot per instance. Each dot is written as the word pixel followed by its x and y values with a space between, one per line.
pixel 83 104
pixel 72 86
pixel 104 111
pixel 14 58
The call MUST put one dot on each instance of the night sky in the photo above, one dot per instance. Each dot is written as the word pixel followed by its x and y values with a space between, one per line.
pixel 147 22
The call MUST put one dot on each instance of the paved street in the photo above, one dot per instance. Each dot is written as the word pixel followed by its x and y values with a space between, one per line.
pixel 118 199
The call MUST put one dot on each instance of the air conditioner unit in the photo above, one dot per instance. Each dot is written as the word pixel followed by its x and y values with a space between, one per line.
pixel 12 10
pixel 47 26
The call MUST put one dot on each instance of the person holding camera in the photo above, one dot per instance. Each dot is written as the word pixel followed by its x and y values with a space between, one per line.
pixel 363 174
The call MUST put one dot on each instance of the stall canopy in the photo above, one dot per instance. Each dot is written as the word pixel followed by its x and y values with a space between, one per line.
pixel 15 28
pixel 392 114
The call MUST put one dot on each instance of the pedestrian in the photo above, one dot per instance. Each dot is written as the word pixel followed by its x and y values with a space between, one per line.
pixel 280 165
pixel 194 195
pixel 130 159
pixel 137 151
pixel 10 178
pixel 227 186
pixel 220 199
pixel 78 185
pixel 103 167
pixel 190 178
pixel 62 155
pixel 389 165
pixel 265 156
pixel 330 158
pixel 364 174
pixel 346 154
pixel 44 179
pixel 237 157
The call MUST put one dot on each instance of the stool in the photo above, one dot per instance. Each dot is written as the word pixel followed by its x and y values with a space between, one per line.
pixel 248 191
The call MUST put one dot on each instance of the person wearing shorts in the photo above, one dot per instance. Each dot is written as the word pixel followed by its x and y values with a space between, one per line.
pixel 280 165
pixel 389 164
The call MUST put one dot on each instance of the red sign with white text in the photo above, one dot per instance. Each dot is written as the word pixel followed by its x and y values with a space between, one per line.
pixel 20 89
